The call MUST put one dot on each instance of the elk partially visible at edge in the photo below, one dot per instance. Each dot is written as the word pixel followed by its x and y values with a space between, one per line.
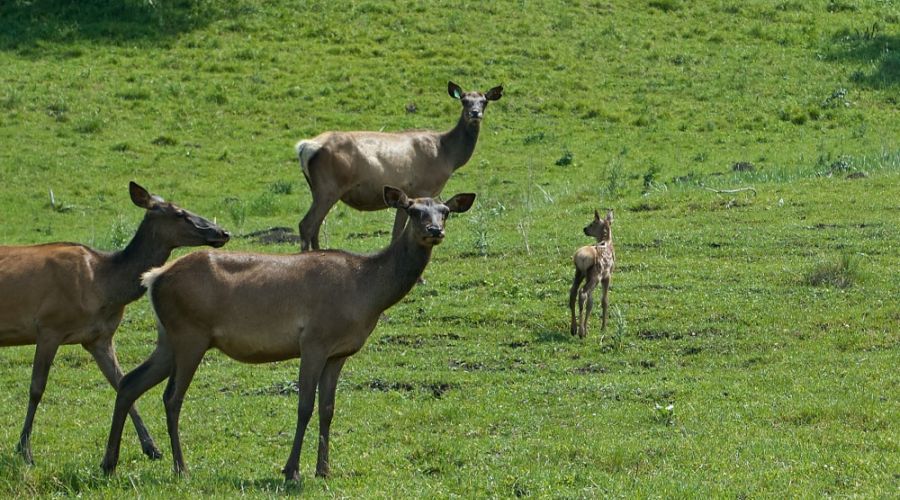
pixel 67 293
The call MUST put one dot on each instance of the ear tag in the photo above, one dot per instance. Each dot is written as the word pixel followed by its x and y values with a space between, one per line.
pixel 456 94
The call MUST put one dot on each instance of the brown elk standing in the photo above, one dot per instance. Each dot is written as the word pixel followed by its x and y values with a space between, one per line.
pixel 594 263
pixel 352 166
pixel 66 293
pixel 256 308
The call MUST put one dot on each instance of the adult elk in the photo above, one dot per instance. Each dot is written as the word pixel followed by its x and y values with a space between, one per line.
pixel 352 166
pixel 593 263
pixel 320 306
pixel 66 293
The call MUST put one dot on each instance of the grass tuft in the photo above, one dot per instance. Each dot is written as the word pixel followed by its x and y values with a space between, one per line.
pixel 841 272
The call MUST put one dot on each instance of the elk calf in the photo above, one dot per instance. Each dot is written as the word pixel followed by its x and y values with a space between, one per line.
pixel 353 166
pixel 593 263
pixel 319 306
pixel 66 293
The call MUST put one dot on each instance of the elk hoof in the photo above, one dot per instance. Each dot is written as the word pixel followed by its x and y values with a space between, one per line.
pixel 25 451
pixel 291 474
pixel 108 468
pixel 151 450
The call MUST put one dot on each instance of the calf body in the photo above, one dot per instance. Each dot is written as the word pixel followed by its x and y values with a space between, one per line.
pixel 593 264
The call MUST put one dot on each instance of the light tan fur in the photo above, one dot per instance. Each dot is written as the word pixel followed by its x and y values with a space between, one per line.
pixel 593 263
pixel 256 308
pixel 353 166
pixel 66 293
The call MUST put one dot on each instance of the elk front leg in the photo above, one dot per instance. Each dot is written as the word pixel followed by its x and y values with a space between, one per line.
pixel 327 387
pixel 311 367
pixel 104 353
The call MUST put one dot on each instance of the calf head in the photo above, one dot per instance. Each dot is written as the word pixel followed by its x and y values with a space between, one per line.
pixel 600 228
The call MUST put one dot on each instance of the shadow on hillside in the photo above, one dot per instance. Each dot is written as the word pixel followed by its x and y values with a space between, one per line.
pixel 873 49
pixel 27 24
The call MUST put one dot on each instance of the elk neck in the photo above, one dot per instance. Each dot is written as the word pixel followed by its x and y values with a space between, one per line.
pixel 146 250
pixel 458 144
pixel 396 269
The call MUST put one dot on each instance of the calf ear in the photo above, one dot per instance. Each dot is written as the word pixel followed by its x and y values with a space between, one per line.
pixel 454 90
pixel 395 198
pixel 461 202
pixel 494 94
pixel 140 196
pixel 609 216
pixel 596 215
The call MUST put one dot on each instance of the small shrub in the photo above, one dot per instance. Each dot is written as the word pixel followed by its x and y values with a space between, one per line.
pixel 743 166
pixel 568 158
pixel 164 141
pixel 263 205
pixel 664 5
pixel 842 272
pixel 533 138
pixel 89 126
pixel 664 414
pixel 281 187
pixel 237 210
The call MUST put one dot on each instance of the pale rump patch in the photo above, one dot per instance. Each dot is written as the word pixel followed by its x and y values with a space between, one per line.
pixel 306 149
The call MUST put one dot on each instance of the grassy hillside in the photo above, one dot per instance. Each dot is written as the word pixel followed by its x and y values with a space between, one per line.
pixel 754 336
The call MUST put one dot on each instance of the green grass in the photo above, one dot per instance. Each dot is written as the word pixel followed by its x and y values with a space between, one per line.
pixel 471 386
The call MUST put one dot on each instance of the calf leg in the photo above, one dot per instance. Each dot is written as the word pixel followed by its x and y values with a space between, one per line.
pixel 104 353
pixel 604 301
pixel 327 386
pixel 587 298
pixel 40 371
pixel 573 294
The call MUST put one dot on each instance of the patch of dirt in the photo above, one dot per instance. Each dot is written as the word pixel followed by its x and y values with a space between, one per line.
pixel 469 366
pixel 589 369
pixel 274 236
pixel 373 234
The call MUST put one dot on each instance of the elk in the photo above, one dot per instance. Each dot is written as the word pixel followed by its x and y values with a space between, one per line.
pixel 319 306
pixel 593 263
pixel 352 166
pixel 66 293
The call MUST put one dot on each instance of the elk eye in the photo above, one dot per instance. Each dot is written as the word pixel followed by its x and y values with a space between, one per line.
pixel 414 212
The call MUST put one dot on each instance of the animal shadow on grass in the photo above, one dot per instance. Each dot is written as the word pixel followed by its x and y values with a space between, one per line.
pixel 23 24
pixel 545 336
pixel 869 45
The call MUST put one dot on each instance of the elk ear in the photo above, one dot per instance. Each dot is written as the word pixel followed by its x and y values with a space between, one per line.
pixel 609 216
pixel 140 196
pixel 596 215
pixel 454 90
pixel 395 198
pixel 461 202
pixel 494 94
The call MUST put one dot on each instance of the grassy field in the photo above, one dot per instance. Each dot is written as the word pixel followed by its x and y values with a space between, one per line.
pixel 754 337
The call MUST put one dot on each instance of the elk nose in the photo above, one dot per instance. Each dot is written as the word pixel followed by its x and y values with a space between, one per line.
pixel 475 114
pixel 586 232
pixel 435 231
